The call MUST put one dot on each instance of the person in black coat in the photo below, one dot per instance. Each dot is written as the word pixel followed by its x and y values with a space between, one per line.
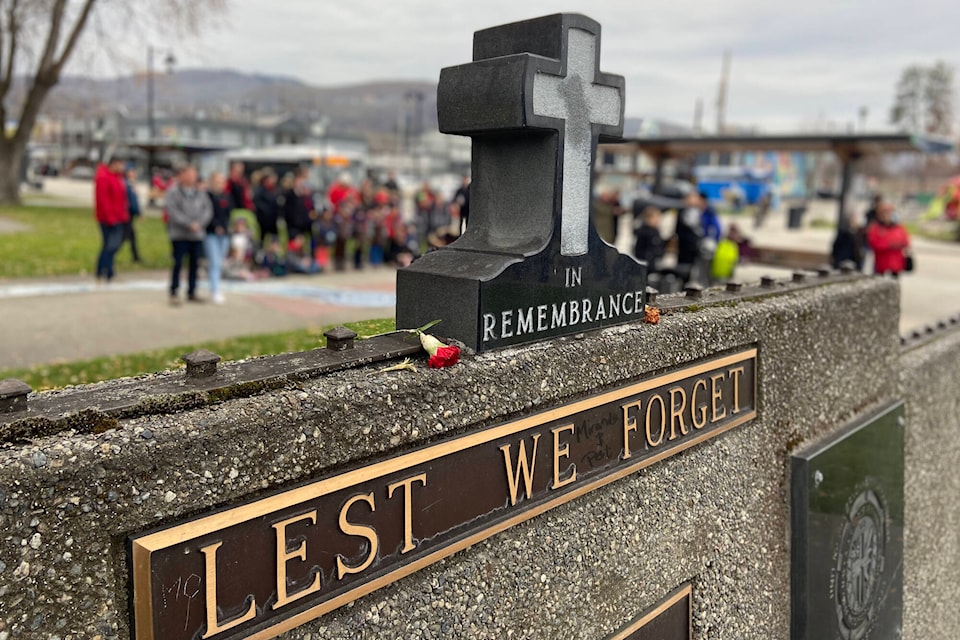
pixel 848 245
pixel 298 210
pixel 462 199
pixel 689 236
pixel 133 206
pixel 649 245
pixel 266 207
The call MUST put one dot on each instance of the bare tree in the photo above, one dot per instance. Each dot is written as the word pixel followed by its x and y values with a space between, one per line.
pixel 938 99
pixel 38 38
pixel 907 112
pixel 924 99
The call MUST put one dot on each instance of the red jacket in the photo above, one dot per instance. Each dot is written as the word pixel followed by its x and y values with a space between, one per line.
pixel 888 243
pixel 338 193
pixel 110 197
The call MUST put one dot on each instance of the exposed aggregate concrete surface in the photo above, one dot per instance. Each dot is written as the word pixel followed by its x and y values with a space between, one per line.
pixel 716 515
pixel 930 379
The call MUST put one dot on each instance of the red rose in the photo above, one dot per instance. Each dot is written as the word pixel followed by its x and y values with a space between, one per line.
pixel 444 357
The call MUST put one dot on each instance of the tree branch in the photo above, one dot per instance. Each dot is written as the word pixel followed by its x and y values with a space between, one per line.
pixel 53 39
pixel 7 80
pixel 14 28
pixel 74 36
pixel 2 30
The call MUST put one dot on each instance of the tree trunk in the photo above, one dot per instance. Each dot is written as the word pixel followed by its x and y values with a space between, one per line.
pixel 11 166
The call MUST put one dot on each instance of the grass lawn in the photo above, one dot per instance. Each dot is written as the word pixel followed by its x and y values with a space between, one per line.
pixel 916 229
pixel 821 223
pixel 50 376
pixel 66 241
pixel 931 231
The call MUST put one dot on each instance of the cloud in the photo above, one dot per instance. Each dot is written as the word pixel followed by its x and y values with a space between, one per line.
pixel 791 62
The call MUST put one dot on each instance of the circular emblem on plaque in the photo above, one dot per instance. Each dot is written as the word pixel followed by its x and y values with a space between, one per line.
pixel 860 556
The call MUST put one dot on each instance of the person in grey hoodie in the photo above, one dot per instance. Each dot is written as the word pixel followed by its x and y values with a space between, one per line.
pixel 188 213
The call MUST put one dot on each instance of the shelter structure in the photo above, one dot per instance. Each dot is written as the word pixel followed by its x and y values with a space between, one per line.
pixel 849 148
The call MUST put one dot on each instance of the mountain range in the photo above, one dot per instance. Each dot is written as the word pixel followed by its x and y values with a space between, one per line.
pixel 370 107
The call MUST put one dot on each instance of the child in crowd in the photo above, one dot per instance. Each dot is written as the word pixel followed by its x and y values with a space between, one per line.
pixel 402 248
pixel 725 258
pixel 272 262
pixel 299 259
pixel 325 237
pixel 239 264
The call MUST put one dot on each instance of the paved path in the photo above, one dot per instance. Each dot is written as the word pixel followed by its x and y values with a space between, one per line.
pixel 66 192
pixel 12 226
pixel 68 319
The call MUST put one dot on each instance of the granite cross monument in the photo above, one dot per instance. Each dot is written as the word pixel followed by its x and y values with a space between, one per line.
pixel 530 264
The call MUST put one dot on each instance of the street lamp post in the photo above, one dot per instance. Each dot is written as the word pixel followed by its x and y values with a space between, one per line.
pixel 415 127
pixel 169 60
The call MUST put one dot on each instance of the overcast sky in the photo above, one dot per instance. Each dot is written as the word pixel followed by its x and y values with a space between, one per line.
pixel 794 63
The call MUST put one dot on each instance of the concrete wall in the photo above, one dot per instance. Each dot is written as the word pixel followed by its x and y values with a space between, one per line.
pixel 930 380
pixel 716 515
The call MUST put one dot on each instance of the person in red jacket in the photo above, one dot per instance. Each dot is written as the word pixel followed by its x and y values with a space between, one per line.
pixel 889 241
pixel 339 190
pixel 110 204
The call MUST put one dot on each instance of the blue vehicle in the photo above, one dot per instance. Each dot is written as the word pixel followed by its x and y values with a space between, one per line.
pixel 720 183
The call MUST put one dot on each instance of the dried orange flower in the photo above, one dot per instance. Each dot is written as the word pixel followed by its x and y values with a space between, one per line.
pixel 651 315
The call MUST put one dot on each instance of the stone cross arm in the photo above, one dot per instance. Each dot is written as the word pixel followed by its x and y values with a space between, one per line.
pixel 496 91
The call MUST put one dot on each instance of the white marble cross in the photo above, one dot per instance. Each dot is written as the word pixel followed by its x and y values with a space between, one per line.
pixel 580 103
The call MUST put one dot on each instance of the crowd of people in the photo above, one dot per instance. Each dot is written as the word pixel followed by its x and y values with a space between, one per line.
pixel 297 229
pixel 705 254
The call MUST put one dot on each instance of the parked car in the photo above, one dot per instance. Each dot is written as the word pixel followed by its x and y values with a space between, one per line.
pixel 82 173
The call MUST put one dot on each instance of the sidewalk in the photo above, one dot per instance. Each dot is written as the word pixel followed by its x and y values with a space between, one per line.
pixel 65 319
pixel 929 294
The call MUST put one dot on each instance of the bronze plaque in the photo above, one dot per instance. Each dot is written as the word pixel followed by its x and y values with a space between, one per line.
pixel 269 565
pixel 670 619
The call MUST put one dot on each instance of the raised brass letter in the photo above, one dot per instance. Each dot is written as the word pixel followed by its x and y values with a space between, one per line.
pixel 629 424
pixel 407 484
pixel 361 530
pixel 735 374
pixel 677 412
pixel 663 423
pixel 284 556
pixel 695 406
pixel 561 452
pixel 524 466
pixel 210 578
pixel 716 394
